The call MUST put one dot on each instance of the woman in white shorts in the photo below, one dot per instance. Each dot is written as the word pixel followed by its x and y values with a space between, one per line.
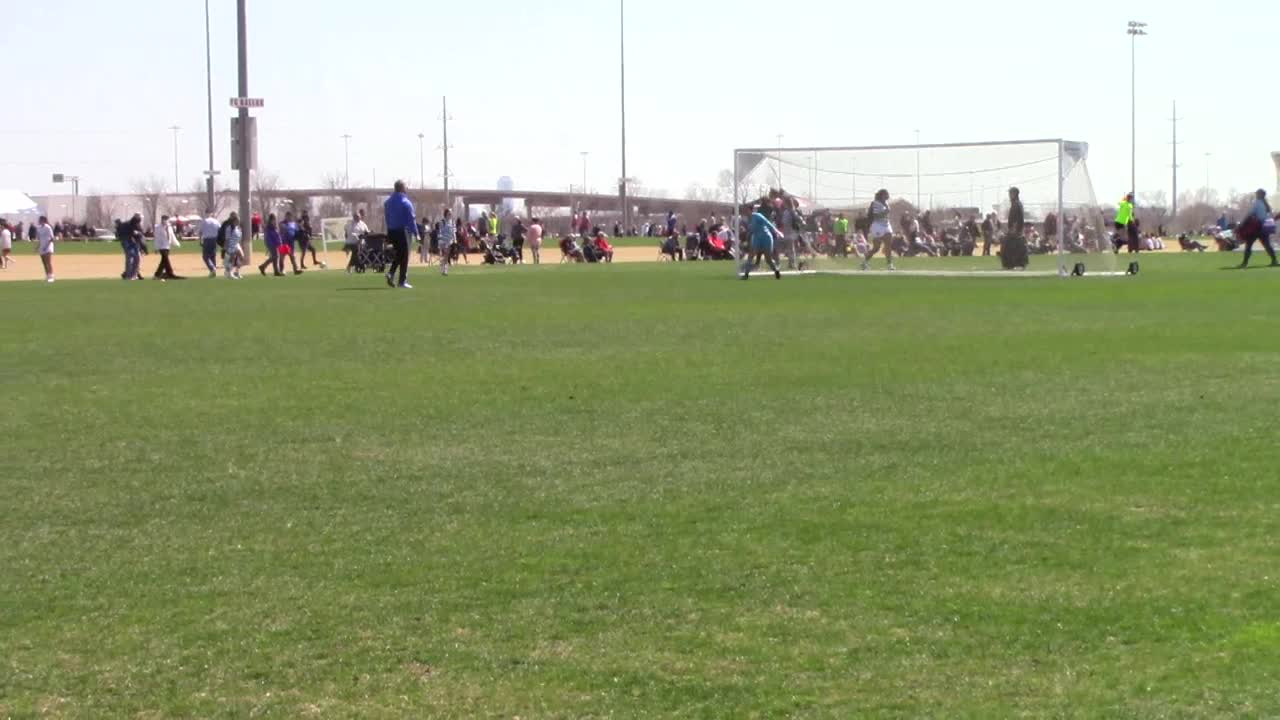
pixel 6 244
pixel 881 230
pixel 44 236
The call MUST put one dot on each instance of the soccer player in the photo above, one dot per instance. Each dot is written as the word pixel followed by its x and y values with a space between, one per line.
pixel 445 238
pixel 44 236
pixel 289 242
pixel 535 240
pixel 1127 225
pixel 881 229
pixel 763 233
pixel 1260 227
pixel 273 244
pixel 234 256
pixel 306 244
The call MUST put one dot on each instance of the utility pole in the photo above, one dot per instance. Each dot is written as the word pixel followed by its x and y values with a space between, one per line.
pixel 584 155
pixel 242 42
pixel 346 154
pixel 176 183
pixel 1175 120
pixel 1136 29
pixel 444 119
pixel 208 74
pixel 622 55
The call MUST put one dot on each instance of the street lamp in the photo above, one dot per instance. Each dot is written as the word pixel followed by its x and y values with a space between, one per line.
pixel 584 155
pixel 208 74
pixel 176 183
pixel 422 163
pixel 346 154
pixel 1136 29
pixel 59 178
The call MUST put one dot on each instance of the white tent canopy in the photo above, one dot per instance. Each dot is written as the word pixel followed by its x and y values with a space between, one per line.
pixel 15 203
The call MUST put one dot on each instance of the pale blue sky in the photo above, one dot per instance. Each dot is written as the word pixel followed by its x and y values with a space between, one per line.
pixel 93 86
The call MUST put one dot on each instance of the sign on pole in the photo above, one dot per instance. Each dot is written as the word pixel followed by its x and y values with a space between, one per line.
pixel 251 137
pixel 59 177
pixel 239 102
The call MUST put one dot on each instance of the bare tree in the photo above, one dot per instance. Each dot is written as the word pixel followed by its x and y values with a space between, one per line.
pixel 221 198
pixel 99 211
pixel 150 192
pixel 266 192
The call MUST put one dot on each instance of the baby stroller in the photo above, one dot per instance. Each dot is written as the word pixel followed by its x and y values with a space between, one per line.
pixel 373 254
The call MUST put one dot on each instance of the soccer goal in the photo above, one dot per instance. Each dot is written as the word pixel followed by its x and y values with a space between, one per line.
pixel 938 209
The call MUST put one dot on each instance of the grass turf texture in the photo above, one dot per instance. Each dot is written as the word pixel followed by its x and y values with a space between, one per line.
pixel 642 491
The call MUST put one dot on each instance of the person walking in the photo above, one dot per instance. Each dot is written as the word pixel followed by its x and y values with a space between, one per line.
pixel 356 230
pixel 232 236
pixel 44 236
pixel 164 244
pixel 134 244
pixel 273 242
pixel 1258 225
pixel 209 228
pixel 535 241
pixel 518 232
pixel 446 235
pixel 402 224
pixel 289 243
pixel 6 245
pixel 306 243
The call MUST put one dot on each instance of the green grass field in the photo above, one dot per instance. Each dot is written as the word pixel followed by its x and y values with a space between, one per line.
pixel 642 491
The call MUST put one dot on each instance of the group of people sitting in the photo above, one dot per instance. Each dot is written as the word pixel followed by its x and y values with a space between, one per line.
pixel 593 247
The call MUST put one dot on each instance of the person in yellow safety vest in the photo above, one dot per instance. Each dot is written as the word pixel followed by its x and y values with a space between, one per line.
pixel 841 230
pixel 1127 223
pixel 493 225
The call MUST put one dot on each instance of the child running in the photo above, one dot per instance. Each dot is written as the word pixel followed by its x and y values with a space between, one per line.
pixel 763 232
pixel 881 230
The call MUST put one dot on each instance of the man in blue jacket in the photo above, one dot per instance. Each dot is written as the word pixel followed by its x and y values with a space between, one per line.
pixel 402 224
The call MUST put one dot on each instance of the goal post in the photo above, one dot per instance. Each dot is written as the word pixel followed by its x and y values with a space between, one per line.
pixel 948 206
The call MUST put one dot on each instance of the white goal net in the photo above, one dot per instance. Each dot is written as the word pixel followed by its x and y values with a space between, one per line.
pixel 942 209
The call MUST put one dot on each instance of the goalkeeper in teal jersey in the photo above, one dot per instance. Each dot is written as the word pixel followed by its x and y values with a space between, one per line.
pixel 763 232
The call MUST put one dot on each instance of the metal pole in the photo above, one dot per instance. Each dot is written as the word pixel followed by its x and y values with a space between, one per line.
pixel 1061 221
pixel 346 154
pixel 242 41
pixel 1175 162
pixel 208 73
pixel 917 171
pixel 1135 29
pixel 176 183
pixel 445 119
pixel 622 56
pixel 584 155
pixel 422 163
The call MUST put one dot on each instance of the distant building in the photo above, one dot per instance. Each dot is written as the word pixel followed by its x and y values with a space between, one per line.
pixel 506 184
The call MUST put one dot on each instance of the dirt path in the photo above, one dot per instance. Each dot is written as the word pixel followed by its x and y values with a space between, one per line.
pixel 75 266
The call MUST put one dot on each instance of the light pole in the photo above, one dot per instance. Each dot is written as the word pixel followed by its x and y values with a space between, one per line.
pixel 584 155
pixel 208 74
pixel 622 66
pixel 1136 29
pixel 422 163
pixel 75 189
pixel 176 129
pixel 346 154
pixel 1206 176
pixel 242 49
pixel 777 165
pixel 917 171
